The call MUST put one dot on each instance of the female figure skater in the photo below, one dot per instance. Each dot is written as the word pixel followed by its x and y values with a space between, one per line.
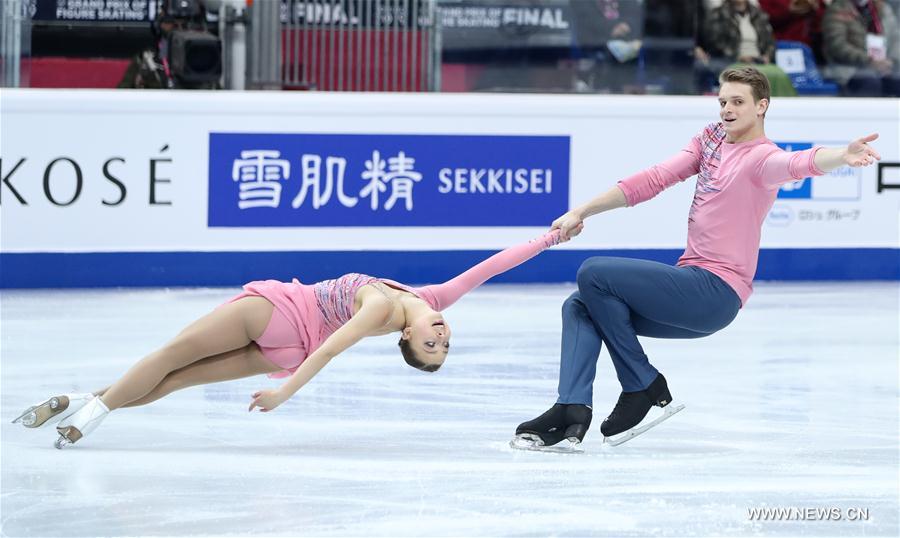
pixel 284 329
pixel 738 172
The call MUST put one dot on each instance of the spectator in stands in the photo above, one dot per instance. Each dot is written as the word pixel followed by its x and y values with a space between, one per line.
pixel 862 46
pixel 796 20
pixel 739 32
pixel 607 42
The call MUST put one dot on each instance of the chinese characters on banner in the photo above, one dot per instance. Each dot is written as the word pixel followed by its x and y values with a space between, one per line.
pixel 388 180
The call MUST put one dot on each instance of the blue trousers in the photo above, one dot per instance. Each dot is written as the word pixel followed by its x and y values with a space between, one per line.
pixel 619 299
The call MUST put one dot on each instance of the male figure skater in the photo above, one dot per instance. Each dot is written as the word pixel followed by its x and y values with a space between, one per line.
pixel 738 172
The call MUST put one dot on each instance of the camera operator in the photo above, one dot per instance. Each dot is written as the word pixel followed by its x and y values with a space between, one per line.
pixel 185 54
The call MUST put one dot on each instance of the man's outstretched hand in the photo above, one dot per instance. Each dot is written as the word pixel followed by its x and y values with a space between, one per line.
pixel 859 153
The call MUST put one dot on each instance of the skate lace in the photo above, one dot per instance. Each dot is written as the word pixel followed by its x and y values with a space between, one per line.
pixel 623 402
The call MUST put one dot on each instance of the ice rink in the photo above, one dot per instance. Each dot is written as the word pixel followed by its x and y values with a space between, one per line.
pixel 795 405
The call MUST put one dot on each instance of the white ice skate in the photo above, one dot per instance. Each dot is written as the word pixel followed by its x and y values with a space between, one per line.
pixel 628 435
pixel 532 441
pixel 81 423
pixel 53 410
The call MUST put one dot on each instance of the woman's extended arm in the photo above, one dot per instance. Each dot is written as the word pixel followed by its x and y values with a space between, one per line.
pixel 374 312
pixel 440 296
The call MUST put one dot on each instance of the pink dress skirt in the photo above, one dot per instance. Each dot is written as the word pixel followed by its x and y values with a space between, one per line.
pixel 297 327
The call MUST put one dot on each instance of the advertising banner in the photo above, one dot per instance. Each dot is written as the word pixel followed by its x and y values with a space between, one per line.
pixel 386 180
pixel 147 176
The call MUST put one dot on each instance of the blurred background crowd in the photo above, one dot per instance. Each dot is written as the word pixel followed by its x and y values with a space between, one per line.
pixel 805 47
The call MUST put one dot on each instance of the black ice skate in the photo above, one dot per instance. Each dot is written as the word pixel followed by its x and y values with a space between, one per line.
pixel 632 407
pixel 569 422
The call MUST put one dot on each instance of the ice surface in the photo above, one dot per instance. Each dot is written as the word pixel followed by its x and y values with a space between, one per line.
pixel 794 405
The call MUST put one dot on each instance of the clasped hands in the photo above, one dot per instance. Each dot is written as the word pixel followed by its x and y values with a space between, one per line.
pixel 569 225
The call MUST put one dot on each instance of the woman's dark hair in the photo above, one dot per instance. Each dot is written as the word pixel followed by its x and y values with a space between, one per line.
pixel 410 357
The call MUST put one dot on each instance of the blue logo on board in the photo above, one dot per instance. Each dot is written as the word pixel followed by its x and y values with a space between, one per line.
pixel 386 180
pixel 801 189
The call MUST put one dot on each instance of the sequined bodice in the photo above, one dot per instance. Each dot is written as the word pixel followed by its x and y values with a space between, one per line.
pixel 335 297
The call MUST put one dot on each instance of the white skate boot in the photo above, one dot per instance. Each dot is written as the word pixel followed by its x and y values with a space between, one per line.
pixel 53 410
pixel 81 423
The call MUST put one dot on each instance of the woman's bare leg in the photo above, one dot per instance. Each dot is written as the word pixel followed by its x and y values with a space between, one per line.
pixel 236 364
pixel 230 327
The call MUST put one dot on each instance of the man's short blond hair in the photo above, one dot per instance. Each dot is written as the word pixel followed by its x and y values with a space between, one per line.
pixel 759 84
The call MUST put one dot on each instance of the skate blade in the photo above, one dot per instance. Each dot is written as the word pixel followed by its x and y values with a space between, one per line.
pixel 67 436
pixel 624 437
pixel 27 412
pixel 37 415
pixel 527 441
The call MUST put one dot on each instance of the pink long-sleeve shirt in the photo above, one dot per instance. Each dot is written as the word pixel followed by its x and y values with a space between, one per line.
pixel 736 187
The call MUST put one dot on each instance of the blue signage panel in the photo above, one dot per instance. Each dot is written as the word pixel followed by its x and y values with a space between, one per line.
pixel 386 180
pixel 798 189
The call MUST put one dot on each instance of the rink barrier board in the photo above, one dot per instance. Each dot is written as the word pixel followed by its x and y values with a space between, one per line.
pixel 79 185
pixel 177 269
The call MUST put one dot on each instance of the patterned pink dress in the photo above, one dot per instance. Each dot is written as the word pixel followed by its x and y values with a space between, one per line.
pixel 305 315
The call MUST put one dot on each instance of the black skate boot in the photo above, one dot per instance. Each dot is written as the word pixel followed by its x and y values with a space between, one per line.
pixel 560 422
pixel 578 420
pixel 632 407
pixel 547 429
